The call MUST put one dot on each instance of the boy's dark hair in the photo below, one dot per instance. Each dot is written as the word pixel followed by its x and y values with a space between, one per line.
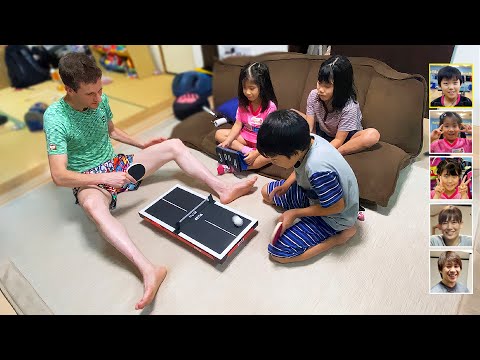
pixel 259 74
pixel 446 257
pixel 450 213
pixel 452 166
pixel 449 72
pixel 75 68
pixel 338 71
pixel 284 132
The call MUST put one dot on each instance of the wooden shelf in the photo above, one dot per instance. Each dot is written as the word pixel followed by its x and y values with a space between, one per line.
pixel 139 55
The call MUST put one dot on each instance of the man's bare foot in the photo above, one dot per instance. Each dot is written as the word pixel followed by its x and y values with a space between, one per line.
pixel 151 283
pixel 234 191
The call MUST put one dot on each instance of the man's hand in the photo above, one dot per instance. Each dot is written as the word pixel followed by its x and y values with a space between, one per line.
pixel 118 179
pixel 154 141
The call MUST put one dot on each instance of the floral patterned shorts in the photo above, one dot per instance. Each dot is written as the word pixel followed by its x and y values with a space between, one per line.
pixel 120 162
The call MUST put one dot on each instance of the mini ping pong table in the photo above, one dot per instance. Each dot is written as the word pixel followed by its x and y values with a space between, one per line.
pixel 199 221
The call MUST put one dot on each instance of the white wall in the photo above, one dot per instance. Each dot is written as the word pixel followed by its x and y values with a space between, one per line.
pixel 470 54
pixel 157 57
pixel 197 55
pixel 226 50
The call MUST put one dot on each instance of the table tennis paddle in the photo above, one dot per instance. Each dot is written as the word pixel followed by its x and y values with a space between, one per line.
pixel 137 171
pixel 276 233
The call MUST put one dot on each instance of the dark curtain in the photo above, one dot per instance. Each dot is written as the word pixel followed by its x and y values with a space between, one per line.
pixel 412 59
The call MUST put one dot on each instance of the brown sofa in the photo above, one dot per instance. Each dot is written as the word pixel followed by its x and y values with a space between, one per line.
pixel 392 102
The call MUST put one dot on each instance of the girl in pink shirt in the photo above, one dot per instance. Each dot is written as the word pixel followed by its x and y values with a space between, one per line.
pixel 446 140
pixel 448 181
pixel 256 99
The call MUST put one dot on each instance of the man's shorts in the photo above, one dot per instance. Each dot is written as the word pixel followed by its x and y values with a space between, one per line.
pixel 120 162
pixel 304 234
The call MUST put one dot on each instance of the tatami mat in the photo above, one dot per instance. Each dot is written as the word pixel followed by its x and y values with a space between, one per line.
pixel 145 92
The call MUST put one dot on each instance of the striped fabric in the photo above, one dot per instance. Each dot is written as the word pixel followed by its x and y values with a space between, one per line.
pixel 327 187
pixel 310 230
pixel 349 118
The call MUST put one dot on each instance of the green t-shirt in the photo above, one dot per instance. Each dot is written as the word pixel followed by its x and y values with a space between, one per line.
pixel 82 135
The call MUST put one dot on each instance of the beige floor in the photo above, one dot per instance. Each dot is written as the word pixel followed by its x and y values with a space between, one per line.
pixel 5 307
pixel 382 270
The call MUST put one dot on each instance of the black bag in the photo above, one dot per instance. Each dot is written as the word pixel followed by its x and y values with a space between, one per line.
pixel 183 109
pixel 23 69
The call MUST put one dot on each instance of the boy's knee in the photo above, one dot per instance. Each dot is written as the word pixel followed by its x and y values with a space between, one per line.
pixel 349 233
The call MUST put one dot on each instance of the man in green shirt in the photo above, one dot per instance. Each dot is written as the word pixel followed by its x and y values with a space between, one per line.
pixel 78 129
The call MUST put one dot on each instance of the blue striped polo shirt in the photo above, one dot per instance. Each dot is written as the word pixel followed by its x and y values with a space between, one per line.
pixel 324 172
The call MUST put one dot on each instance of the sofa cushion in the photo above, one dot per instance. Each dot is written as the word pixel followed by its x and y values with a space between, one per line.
pixel 377 171
pixel 193 130
pixel 395 113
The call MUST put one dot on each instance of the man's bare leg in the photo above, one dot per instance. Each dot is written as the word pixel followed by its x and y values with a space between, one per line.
pixel 158 155
pixel 338 239
pixel 95 202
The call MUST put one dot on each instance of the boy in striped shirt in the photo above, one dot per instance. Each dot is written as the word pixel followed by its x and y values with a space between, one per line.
pixel 321 196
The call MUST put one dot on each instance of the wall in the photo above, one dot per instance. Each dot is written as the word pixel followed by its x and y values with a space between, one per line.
pixel 197 55
pixel 411 59
pixel 4 79
pixel 156 57
pixel 178 58
pixel 229 50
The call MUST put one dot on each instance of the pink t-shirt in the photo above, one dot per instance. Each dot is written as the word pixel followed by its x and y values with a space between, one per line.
pixel 455 195
pixel 252 121
pixel 460 145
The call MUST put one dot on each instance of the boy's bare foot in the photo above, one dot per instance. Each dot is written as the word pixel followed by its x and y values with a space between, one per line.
pixel 234 191
pixel 151 283
pixel 345 235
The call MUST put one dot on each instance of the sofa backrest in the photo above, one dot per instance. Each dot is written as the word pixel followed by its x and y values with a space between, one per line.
pixel 392 102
